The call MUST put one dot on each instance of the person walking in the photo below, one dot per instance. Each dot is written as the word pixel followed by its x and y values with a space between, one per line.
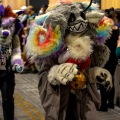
pixel 107 98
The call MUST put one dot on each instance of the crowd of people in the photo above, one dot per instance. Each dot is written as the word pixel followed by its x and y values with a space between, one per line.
pixel 108 98
pixel 26 16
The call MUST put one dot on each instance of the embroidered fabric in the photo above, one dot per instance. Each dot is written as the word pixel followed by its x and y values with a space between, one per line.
pixel 5 53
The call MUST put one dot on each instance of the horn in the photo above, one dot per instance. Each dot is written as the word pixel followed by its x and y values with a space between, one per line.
pixel 88 6
pixel 82 14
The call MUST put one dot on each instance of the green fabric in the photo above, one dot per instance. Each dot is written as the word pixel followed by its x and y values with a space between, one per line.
pixel 118 52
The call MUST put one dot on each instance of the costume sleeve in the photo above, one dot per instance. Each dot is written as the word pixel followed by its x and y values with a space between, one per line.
pixel 46 90
pixel 118 52
pixel 44 68
pixel 16 53
pixel 24 18
pixel 95 96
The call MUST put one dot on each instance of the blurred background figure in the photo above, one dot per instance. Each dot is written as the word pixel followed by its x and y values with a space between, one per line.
pixel 117 72
pixel 96 1
pixel 24 37
pixel 118 49
pixel 31 15
pixel 43 9
pixel 107 98
pixel 117 11
pixel 23 17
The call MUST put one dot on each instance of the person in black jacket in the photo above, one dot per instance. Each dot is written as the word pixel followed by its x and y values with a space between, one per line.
pixel 107 98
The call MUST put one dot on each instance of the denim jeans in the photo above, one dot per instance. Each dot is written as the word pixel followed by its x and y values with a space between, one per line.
pixel 7 84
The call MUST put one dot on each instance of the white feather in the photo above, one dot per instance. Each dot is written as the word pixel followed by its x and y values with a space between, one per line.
pixel 94 16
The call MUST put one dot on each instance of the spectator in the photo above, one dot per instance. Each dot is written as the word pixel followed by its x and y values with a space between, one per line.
pixel 31 15
pixel 118 49
pixel 117 11
pixel 24 36
pixel 117 76
pixel 23 18
pixel 107 98
pixel 43 9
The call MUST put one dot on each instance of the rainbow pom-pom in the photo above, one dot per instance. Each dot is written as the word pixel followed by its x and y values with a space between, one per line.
pixel 104 30
pixel 39 20
pixel 42 42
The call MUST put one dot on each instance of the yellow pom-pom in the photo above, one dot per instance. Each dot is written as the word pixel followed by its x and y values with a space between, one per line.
pixel 79 82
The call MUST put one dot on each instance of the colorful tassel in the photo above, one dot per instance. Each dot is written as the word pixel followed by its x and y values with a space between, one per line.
pixel 104 30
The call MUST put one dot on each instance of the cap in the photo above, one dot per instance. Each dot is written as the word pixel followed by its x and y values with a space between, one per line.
pixel 23 8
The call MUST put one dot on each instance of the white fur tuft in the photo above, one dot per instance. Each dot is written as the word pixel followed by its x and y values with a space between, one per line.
pixel 51 75
pixel 79 47
pixel 16 56
pixel 16 53
pixel 94 16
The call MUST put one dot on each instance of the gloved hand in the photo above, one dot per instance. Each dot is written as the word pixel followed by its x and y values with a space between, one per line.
pixel 101 76
pixel 62 74
pixel 17 64
pixel 17 68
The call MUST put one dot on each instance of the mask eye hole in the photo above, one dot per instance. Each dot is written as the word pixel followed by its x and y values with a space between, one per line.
pixel 82 14
pixel 72 17
pixel 5 28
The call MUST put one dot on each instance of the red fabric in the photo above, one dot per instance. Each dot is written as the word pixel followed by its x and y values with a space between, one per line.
pixel 82 64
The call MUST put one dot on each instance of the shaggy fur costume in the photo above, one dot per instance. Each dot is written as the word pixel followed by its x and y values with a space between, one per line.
pixel 10 58
pixel 62 40
pixel 10 28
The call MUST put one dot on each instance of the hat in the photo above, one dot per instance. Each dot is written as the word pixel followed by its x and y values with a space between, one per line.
pixel 23 8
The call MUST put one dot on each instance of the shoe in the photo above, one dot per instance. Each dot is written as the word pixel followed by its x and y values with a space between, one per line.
pixel 103 109
pixel 111 106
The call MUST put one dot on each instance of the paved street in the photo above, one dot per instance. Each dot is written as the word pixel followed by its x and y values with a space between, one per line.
pixel 27 102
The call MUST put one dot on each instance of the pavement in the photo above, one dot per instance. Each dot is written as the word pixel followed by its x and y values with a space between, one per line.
pixel 28 105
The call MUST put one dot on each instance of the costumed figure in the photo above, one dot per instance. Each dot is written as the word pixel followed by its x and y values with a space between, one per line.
pixel 31 15
pixel 24 54
pixel 10 58
pixel 68 45
pixel 24 37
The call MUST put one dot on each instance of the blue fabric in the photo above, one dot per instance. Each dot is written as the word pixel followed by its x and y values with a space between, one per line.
pixel 2 10
pixel 20 12
pixel 118 25
pixel 118 52
pixel 32 16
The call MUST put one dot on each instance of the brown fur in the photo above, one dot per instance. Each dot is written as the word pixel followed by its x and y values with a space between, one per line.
pixel 9 12
pixel 16 41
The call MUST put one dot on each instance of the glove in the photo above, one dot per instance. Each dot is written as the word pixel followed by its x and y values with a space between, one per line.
pixel 17 68
pixel 101 76
pixel 62 74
